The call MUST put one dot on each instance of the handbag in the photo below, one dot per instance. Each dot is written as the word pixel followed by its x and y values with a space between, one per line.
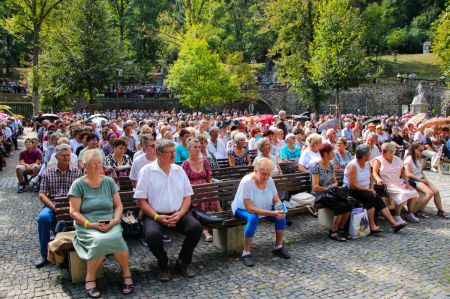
pixel 339 192
pixel 210 217
pixel 304 199
pixel 381 190
pixel 359 223
pixel 131 226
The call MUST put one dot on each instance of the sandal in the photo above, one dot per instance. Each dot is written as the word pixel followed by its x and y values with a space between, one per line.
pixel 376 231
pixel 345 235
pixel 90 292
pixel 336 237
pixel 398 227
pixel 125 287
pixel 208 237
pixel 442 214
pixel 422 215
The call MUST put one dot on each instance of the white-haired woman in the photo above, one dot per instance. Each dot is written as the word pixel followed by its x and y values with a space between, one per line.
pixel 388 170
pixel 96 208
pixel 264 147
pixel 311 155
pixel 257 198
pixel 239 156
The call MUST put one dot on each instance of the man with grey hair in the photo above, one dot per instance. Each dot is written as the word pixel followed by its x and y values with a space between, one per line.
pixel 215 145
pixel 163 193
pixel 372 141
pixel 282 125
pixel 148 144
pixel 56 182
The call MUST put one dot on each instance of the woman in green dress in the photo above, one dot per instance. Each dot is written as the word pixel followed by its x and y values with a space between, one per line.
pixel 96 207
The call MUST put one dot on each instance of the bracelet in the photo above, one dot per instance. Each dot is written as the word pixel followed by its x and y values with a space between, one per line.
pixel 86 223
pixel 156 216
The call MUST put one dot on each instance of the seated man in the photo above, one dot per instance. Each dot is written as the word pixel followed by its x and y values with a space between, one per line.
pixel 56 182
pixel 254 199
pixel 29 163
pixel 163 193
pixel 147 142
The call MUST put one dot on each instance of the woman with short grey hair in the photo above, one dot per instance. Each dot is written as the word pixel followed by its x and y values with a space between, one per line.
pixel 264 148
pixel 239 156
pixel 359 181
pixel 311 155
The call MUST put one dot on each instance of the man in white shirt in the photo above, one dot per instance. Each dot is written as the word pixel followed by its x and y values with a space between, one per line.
pixel 163 193
pixel 215 145
pixel 372 141
pixel 148 146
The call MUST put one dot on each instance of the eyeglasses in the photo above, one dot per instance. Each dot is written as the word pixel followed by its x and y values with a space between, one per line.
pixel 150 145
pixel 170 152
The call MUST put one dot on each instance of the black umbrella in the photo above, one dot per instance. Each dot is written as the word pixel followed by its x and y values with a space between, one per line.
pixel 375 121
pixel 97 119
pixel 48 116
pixel 301 118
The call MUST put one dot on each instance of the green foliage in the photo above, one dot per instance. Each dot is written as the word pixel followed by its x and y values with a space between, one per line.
pixel 198 76
pixel 378 20
pixel 397 38
pixel 338 56
pixel 81 55
pixel 441 40
pixel 241 73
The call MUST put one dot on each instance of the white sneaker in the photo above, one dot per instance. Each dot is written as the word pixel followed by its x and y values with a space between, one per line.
pixel 412 218
pixel 35 180
pixel 399 220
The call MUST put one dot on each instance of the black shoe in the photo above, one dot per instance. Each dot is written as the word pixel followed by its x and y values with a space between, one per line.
pixel 247 260
pixel 40 262
pixel 164 275
pixel 398 227
pixel 185 269
pixel 282 252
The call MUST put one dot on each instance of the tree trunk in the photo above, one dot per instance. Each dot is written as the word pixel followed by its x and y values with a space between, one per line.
pixel 337 112
pixel 35 90
pixel 317 107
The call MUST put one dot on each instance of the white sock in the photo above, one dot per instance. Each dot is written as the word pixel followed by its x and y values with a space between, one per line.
pixel 278 247
pixel 244 253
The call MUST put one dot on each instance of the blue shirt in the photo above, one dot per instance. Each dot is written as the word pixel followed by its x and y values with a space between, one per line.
pixel 286 153
pixel 182 154
pixel 347 134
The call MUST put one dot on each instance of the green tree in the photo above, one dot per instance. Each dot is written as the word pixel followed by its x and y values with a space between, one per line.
pixel 441 40
pixel 379 20
pixel 81 55
pixel 294 22
pixel 198 76
pixel 338 57
pixel 241 73
pixel 30 18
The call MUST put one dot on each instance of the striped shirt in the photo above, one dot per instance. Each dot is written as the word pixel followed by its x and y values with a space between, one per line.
pixel 56 183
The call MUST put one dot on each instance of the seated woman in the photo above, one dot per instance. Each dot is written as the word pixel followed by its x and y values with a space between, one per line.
pixel 198 172
pixel 205 153
pixel 311 155
pixel 255 135
pixel 357 177
pixel 239 156
pixel 322 179
pixel 108 146
pixel 264 148
pixel 341 155
pixel 417 179
pixel 97 210
pixel 290 152
pixel 254 199
pixel 118 159
pixel 388 170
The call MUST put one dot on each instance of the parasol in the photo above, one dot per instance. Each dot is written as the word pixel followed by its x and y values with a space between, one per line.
pixel 407 115
pixel 436 122
pixel 416 119
pixel 266 118
pixel 301 118
pixel 242 119
pixel 375 121
pixel 330 123
pixel 97 119
pixel 3 115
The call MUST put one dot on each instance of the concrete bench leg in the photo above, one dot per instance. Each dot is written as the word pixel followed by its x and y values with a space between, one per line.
pixel 229 240
pixel 78 268
pixel 325 217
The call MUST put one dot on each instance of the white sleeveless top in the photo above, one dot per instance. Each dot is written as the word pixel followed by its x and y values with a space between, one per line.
pixel 362 174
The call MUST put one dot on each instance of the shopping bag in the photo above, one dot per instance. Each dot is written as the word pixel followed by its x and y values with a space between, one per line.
pixel 359 223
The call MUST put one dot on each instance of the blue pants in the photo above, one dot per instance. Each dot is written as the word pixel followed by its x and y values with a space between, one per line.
pixel 46 220
pixel 253 220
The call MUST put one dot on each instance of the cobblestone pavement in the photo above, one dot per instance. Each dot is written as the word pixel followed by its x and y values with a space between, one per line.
pixel 414 263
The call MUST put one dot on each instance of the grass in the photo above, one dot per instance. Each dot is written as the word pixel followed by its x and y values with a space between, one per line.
pixel 423 65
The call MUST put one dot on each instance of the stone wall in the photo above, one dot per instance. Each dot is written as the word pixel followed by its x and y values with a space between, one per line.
pixel 384 97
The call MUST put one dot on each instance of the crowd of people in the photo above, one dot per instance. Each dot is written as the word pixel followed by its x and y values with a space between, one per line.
pixel 165 153
pixel 10 86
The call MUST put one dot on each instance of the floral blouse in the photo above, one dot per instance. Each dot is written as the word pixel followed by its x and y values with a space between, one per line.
pixel 325 176
pixel 123 169
pixel 239 161
pixel 342 161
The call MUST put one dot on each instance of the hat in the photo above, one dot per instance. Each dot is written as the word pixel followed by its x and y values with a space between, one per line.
pixel 371 125
pixel 379 127
pixel 290 135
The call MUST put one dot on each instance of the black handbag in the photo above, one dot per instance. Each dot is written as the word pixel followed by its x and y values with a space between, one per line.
pixel 340 192
pixel 381 190
pixel 131 226
pixel 211 217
